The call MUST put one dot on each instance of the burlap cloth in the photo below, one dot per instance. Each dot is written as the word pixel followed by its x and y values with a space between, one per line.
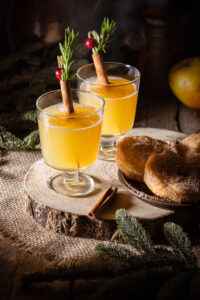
pixel 18 226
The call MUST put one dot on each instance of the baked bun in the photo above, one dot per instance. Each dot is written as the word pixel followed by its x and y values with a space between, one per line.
pixel 190 149
pixel 132 153
pixel 168 175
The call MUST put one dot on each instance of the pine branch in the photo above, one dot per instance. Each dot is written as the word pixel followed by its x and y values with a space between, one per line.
pixel 113 251
pixel 30 116
pixel 133 232
pixel 147 261
pixel 67 50
pixel 32 141
pixel 129 260
pixel 181 244
pixel 107 29
pixel 8 141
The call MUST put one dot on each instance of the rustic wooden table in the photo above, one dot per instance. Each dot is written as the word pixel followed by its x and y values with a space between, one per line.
pixel 165 112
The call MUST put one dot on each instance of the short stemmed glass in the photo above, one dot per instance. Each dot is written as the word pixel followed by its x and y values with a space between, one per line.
pixel 70 143
pixel 120 101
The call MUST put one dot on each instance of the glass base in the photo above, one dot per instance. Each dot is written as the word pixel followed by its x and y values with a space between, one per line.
pixel 83 186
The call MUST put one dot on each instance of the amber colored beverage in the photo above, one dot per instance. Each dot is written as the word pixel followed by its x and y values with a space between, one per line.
pixel 70 142
pixel 120 104
pixel 120 97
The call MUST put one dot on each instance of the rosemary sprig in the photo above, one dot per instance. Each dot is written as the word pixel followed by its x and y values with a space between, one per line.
pixel 107 29
pixel 67 50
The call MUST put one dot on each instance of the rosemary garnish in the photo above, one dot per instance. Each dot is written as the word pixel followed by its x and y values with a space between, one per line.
pixel 107 29
pixel 67 50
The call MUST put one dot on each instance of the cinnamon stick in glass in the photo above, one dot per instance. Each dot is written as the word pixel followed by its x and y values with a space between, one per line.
pixel 66 91
pixel 67 96
pixel 107 195
pixel 100 68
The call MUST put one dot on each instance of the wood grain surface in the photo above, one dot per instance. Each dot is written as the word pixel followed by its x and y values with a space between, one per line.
pixel 68 215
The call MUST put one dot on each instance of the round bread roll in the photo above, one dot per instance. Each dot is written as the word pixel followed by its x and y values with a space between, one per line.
pixel 168 175
pixel 190 149
pixel 132 153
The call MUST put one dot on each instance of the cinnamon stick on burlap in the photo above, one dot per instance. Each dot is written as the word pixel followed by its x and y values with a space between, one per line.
pixel 107 195
pixel 100 68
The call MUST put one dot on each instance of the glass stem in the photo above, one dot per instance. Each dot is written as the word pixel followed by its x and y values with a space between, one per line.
pixel 107 144
pixel 70 178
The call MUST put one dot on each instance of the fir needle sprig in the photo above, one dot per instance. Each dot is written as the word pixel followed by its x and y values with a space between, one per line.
pixel 67 50
pixel 107 29
pixel 65 62
pixel 98 44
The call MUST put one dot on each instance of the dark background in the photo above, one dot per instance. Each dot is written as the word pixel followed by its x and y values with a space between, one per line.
pixel 151 34
pixel 21 19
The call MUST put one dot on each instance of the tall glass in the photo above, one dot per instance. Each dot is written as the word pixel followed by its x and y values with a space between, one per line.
pixel 120 101
pixel 70 143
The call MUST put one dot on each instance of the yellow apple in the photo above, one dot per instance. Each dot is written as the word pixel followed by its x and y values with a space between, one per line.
pixel 184 81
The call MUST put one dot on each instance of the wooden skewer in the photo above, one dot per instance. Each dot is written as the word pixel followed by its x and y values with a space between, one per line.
pixel 100 68
pixel 107 195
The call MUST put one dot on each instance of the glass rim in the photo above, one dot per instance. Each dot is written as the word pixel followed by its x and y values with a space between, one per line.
pixel 72 117
pixel 109 85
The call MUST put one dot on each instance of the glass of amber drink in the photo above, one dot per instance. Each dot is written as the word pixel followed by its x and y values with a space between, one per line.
pixel 70 142
pixel 120 97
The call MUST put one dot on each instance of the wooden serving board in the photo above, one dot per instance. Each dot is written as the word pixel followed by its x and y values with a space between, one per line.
pixel 68 215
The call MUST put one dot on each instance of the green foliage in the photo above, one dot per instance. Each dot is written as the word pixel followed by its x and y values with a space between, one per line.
pixel 182 258
pixel 8 141
pixel 107 29
pixel 31 141
pixel 30 116
pixel 181 262
pixel 67 50
pixel 114 252
pixel 181 244
pixel 133 233
pixel 153 272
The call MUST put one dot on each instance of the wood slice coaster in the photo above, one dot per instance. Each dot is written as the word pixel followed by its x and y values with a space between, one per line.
pixel 68 215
